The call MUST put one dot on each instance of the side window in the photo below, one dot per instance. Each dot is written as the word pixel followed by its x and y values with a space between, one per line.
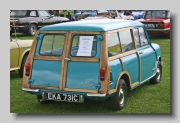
pixel 43 13
pixel 52 45
pixel 148 14
pixel 33 13
pixel 136 36
pixel 168 14
pixel 84 45
pixel 113 44
pixel 126 41
pixel 143 39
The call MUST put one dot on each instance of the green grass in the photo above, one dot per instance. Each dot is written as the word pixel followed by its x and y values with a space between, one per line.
pixel 146 99
pixel 21 36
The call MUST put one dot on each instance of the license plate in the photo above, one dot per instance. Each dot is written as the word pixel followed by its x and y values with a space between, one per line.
pixel 62 97
pixel 150 25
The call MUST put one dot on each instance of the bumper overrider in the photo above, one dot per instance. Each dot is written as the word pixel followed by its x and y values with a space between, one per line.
pixel 37 91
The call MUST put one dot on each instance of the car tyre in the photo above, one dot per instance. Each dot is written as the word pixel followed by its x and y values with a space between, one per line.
pixel 168 35
pixel 118 101
pixel 21 70
pixel 42 101
pixel 32 29
pixel 157 78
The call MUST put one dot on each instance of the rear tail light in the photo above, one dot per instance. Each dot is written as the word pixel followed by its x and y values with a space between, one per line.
pixel 27 69
pixel 15 24
pixel 163 25
pixel 102 73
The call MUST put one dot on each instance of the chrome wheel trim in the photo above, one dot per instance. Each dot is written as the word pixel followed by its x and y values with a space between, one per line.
pixel 33 30
pixel 158 74
pixel 121 95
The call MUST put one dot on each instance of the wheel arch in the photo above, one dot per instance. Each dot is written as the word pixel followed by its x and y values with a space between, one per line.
pixel 123 75
pixel 126 78
pixel 26 52
pixel 36 23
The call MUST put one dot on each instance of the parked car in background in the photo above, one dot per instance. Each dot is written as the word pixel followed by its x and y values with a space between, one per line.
pixel 157 22
pixel 29 21
pixel 87 13
pixel 91 60
pixel 19 50
pixel 137 14
pixel 109 14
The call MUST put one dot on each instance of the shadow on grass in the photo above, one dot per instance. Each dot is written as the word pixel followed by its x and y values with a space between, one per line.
pixel 88 107
pixel 158 37
pixel 22 36
pixel 14 74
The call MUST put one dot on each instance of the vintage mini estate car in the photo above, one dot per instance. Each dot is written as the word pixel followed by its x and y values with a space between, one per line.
pixel 157 22
pixel 29 21
pixel 91 59
pixel 19 50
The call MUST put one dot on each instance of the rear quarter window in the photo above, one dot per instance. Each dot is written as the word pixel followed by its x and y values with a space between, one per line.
pixel 113 44
pixel 119 42
pixel 126 41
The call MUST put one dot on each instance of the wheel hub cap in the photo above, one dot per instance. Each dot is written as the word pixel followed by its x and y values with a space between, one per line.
pixel 158 75
pixel 121 95
pixel 33 30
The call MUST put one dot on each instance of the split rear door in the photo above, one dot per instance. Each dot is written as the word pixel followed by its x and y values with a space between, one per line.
pixel 66 61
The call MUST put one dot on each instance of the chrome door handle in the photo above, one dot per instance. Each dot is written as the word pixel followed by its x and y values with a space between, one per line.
pixel 67 59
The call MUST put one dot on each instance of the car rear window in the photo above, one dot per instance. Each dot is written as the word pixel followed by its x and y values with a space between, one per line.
pixel 156 14
pixel 84 46
pixel 52 45
pixel 18 12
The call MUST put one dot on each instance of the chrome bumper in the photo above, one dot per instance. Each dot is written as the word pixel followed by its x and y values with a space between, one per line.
pixel 31 90
pixel 158 30
pixel 96 95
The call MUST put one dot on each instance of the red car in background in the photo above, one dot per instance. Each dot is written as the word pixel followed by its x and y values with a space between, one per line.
pixel 157 22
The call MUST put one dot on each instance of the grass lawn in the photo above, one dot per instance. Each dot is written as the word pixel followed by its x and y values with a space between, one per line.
pixel 146 99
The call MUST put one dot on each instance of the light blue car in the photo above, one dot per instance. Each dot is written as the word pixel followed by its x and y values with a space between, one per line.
pixel 87 13
pixel 138 14
pixel 91 59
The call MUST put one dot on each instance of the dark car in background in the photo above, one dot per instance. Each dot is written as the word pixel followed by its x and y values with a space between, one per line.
pixel 29 21
pixel 157 22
